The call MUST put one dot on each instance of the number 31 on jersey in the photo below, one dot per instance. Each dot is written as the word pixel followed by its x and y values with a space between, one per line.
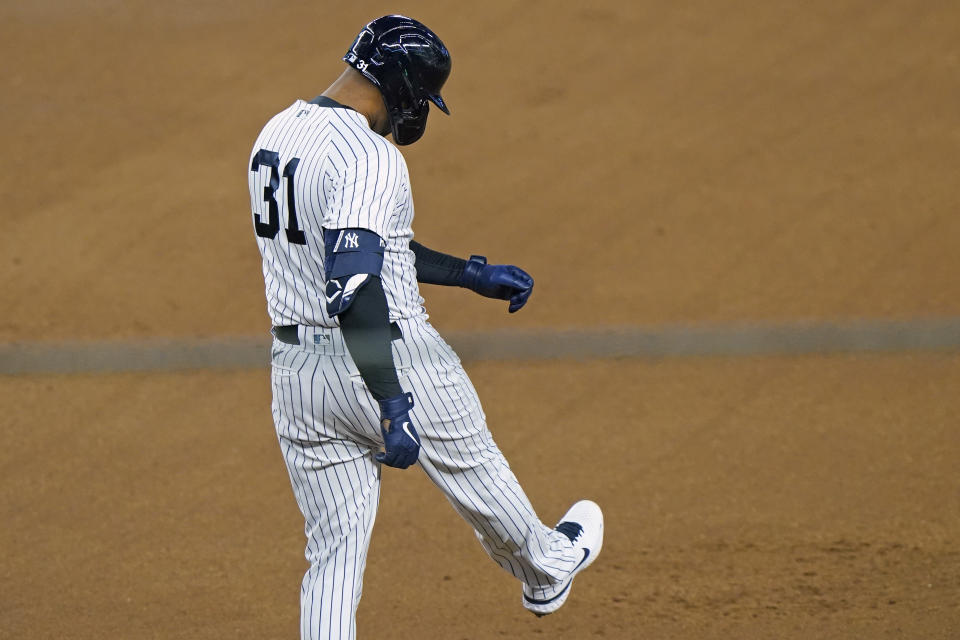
pixel 271 227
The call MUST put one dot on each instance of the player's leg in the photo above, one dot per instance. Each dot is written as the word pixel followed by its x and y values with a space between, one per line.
pixel 336 483
pixel 459 455
pixel 338 528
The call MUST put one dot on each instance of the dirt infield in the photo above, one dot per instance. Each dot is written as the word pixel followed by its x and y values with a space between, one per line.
pixel 752 498
pixel 650 164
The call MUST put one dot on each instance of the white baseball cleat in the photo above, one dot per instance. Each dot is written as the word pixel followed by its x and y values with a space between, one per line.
pixel 583 524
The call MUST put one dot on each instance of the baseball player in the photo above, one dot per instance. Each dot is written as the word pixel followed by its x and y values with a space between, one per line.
pixel 360 378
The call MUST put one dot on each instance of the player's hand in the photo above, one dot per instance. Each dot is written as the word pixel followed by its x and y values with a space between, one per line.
pixel 401 442
pixel 500 281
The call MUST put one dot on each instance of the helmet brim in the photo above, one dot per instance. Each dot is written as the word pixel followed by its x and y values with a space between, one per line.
pixel 438 100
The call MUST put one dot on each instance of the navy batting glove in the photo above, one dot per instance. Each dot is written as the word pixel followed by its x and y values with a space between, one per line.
pixel 401 442
pixel 500 281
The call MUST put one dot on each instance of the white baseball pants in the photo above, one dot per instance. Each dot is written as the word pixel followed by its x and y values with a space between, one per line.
pixel 328 427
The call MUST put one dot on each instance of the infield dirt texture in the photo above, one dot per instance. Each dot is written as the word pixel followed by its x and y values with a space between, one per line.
pixel 651 164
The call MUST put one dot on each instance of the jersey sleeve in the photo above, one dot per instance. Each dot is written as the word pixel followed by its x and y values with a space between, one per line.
pixel 364 193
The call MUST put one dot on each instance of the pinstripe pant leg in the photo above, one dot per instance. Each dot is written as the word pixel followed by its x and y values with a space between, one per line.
pixel 336 483
pixel 338 521
pixel 460 456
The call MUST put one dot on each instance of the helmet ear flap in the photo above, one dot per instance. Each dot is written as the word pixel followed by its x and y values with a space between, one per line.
pixel 408 113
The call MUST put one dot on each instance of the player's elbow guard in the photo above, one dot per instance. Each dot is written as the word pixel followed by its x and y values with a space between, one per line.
pixel 352 256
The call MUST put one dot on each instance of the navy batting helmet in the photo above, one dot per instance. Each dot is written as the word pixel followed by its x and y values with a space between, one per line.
pixel 409 64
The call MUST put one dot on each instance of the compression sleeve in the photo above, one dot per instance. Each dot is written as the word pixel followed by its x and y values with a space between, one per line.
pixel 434 267
pixel 366 330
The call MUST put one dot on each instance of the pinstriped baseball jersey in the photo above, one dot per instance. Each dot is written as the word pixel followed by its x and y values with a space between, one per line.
pixel 316 167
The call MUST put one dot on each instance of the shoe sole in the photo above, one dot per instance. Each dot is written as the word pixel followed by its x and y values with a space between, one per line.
pixel 545 607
